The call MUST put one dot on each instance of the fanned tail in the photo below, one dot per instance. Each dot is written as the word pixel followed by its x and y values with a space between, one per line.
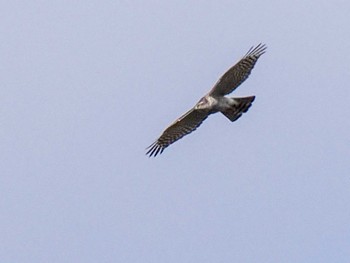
pixel 242 106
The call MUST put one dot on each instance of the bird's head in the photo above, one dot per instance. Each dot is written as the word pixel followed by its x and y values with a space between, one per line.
pixel 202 103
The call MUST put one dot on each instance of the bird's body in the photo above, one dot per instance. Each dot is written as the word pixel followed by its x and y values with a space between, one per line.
pixel 215 104
pixel 215 101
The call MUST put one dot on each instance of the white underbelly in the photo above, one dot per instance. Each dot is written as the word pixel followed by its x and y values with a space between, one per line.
pixel 224 103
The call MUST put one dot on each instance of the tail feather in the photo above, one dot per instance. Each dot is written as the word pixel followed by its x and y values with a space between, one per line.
pixel 242 106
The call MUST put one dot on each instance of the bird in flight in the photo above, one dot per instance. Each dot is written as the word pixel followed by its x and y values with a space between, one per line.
pixel 215 101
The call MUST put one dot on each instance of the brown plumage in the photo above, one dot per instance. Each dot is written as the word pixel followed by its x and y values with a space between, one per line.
pixel 213 102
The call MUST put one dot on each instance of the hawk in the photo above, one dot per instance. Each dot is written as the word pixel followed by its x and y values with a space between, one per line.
pixel 215 101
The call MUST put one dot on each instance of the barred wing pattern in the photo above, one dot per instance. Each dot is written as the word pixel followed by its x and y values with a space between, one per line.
pixel 186 124
pixel 238 73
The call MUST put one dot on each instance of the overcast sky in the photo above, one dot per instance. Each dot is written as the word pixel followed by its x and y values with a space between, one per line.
pixel 86 86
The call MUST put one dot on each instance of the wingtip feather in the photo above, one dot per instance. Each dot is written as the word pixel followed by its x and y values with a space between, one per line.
pixel 154 149
pixel 257 50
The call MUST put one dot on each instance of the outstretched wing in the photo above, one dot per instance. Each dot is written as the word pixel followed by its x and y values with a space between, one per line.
pixel 238 73
pixel 186 124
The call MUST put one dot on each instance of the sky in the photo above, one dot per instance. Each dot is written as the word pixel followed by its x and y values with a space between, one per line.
pixel 86 86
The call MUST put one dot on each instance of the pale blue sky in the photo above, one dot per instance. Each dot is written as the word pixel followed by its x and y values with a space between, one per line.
pixel 86 86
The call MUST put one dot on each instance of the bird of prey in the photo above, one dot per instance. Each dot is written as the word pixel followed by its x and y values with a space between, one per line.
pixel 215 101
